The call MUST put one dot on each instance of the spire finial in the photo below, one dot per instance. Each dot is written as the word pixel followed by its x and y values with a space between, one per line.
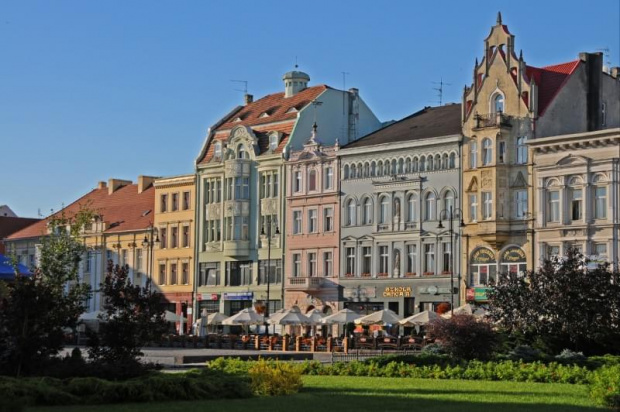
pixel 296 65
pixel 499 17
pixel 521 55
pixel 476 63
pixel 313 135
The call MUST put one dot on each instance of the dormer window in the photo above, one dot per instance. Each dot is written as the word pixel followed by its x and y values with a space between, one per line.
pixel 498 103
pixel 263 114
pixel 218 150
pixel 237 119
pixel 273 142
pixel 293 109
pixel 241 152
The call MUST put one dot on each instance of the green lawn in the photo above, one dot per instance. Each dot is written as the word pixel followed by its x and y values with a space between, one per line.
pixel 361 394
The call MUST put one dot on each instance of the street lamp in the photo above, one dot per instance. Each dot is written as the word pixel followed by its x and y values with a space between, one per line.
pixel 150 240
pixel 262 232
pixel 451 214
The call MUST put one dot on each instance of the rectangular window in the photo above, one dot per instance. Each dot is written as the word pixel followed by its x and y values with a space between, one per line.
pixel 239 273
pixel 502 152
pixel 312 264
pixel 553 206
pixel 600 200
pixel 600 249
pixel 297 182
pixel 173 274
pixel 229 188
pixel 163 204
pixel 473 208
pixel 312 180
pixel 553 251
pixel 411 259
pixel 350 256
pixel 163 238
pixel 521 203
pixel 162 273
pixel 185 273
pixel 296 222
pixel 185 242
pixel 328 264
pixel 429 259
pixel 576 209
pixel 312 221
pixel 124 257
pixel 175 202
pixel 274 274
pixel 329 177
pixel 447 253
pixel 487 205
pixel 521 150
pixel 174 237
pixel 366 260
pixel 473 154
pixel 296 265
pixel 209 274
pixel 384 259
pixel 139 261
pixel 186 200
pixel 328 219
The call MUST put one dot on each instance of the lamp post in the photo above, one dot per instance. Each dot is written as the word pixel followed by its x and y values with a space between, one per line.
pixel 149 241
pixel 451 214
pixel 268 270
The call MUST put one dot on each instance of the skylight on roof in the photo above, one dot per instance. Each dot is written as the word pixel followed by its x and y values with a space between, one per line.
pixel 292 109
pixel 263 114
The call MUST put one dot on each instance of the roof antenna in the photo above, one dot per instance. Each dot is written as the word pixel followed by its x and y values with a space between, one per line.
pixel 245 86
pixel 439 89
pixel 296 65
pixel 316 103
pixel 606 53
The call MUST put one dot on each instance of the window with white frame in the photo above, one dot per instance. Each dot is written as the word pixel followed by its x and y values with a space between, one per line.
pixel 328 264
pixel 296 222
pixel 273 142
pixel 384 258
pixel 448 201
pixel 600 202
pixel 296 265
pixel 311 264
pixel 487 205
pixel 473 154
pixel 429 212
pixel 367 211
pixel 576 204
pixel 412 257
pixel 600 250
pixel 312 180
pixel 553 251
pixel 313 221
pixel 429 258
pixel 452 161
pixel 242 153
pixel 498 103
pixel 447 253
pixel 351 216
pixel 384 210
pixel 522 150
pixel 218 150
pixel 350 256
pixel 412 207
pixel 366 260
pixel 473 207
pixel 501 152
pixel 553 206
pixel 297 182
pixel 487 151
pixel 328 219
pixel 269 184
pixel 329 177
pixel 521 204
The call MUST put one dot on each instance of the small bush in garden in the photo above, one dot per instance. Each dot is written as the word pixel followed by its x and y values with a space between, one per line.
pixel 568 355
pixel 605 386
pixel 525 353
pixel 434 349
pixel 230 365
pixel 464 337
pixel 275 378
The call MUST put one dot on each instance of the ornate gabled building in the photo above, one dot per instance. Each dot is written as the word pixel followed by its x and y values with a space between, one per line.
pixel 397 185
pixel 240 187
pixel 313 227
pixel 508 105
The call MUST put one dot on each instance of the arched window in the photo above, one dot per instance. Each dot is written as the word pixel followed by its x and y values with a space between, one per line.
pixel 521 150
pixel 384 210
pixel 373 169
pixel 353 171
pixel 415 164
pixel 241 153
pixel 380 168
pixel 412 207
pixel 473 154
pixel 400 166
pixel 429 209
pixel 394 171
pixel 408 165
pixel 437 162
pixel 429 163
pixel 444 161
pixel 312 180
pixel 487 151
pixel 366 169
pixel 367 211
pixel 351 217
pixel 386 168
pixel 273 142
pixel 448 201
pixel 346 171
pixel 452 163
pixel 422 164
pixel 498 103
pixel 218 150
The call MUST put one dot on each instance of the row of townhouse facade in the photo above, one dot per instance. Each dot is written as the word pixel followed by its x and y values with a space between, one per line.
pixel 304 198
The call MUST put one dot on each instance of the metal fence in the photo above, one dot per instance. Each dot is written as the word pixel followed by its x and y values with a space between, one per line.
pixel 364 354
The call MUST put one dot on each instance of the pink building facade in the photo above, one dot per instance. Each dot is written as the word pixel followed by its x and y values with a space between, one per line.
pixel 313 222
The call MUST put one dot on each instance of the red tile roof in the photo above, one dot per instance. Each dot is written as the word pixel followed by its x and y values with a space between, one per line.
pixel 277 106
pixel 123 210
pixel 10 225
pixel 550 80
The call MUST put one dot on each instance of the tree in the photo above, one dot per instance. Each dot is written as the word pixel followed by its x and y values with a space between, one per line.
pixel 465 337
pixel 132 317
pixel 35 311
pixel 563 303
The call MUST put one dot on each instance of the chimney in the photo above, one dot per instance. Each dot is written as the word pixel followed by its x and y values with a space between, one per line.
pixel 101 185
pixel 144 182
pixel 115 184
pixel 294 82
pixel 594 72
pixel 248 98
pixel 614 72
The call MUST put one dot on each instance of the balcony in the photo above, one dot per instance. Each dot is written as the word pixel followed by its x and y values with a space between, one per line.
pixel 304 283
pixel 236 248
pixel 483 121
pixel 238 168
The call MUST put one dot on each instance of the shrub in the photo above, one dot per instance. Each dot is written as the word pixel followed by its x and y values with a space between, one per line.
pixel 568 355
pixel 465 337
pixel 525 353
pixel 433 348
pixel 605 386
pixel 274 378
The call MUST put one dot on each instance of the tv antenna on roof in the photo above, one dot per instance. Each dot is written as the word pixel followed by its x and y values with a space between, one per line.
pixel 315 103
pixel 607 54
pixel 439 89
pixel 245 86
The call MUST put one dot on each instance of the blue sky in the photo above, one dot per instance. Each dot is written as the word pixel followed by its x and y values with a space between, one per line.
pixel 96 89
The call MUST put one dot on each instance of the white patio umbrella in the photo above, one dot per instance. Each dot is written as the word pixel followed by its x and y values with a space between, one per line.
pixel 245 317
pixel 466 309
pixel 173 317
pixel 291 316
pixel 380 317
pixel 215 318
pixel 316 316
pixel 422 318
pixel 342 317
